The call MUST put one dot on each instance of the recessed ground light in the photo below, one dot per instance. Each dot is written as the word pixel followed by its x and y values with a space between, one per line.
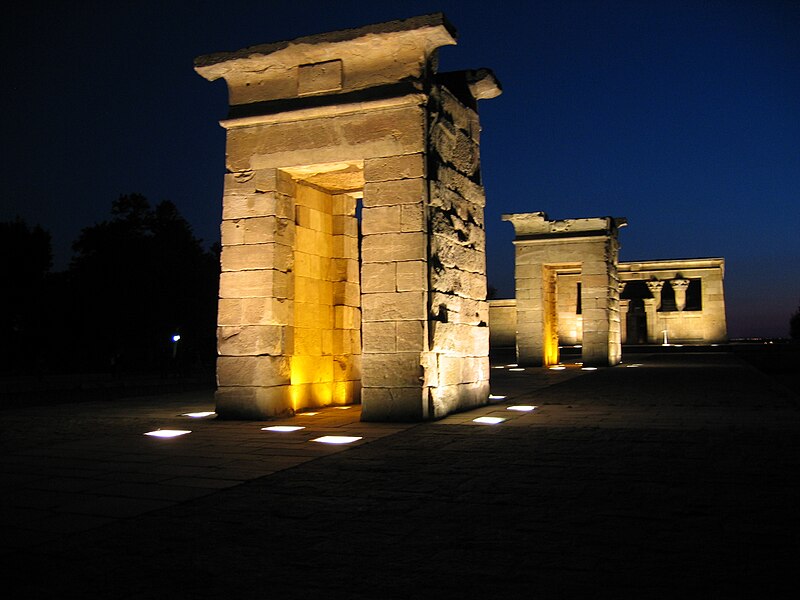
pixel 307 414
pixel 513 365
pixel 517 369
pixel 336 439
pixel 488 420
pixel 342 407
pixel 167 433
pixel 577 346
pixel 588 368
pixel 498 367
pixel 199 415
pixel 283 428
pixel 521 407
pixel 495 397
pixel 557 368
pixel 633 365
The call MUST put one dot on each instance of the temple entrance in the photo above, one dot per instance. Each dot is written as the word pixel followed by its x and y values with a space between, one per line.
pixel 325 346
pixel 636 322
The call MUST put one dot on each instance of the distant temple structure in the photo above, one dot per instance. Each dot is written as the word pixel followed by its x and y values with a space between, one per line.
pixel 571 290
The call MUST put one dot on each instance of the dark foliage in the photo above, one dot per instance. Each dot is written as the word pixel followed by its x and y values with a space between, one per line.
pixel 135 280
pixel 25 259
pixel 794 325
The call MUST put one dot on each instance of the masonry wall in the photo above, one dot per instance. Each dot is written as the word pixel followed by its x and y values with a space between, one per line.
pixel 456 362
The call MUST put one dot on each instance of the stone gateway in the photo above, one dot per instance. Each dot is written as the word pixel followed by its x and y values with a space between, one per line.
pixel 353 245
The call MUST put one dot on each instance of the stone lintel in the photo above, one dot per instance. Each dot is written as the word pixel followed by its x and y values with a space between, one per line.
pixel 339 61
pixel 536 225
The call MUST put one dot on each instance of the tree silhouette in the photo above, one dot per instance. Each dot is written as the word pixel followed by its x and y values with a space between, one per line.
pixel 25 259
pixel 138 279
pixel 794 325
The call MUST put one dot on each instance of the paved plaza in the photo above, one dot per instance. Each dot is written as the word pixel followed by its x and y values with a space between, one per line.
pixel 671 476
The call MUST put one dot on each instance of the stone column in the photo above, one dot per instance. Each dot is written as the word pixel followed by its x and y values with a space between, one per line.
pixel 655 288
pixel 680 286
pixel 624 305
pixel 651 312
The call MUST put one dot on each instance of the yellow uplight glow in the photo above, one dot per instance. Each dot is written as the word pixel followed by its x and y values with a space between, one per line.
pixel 488 420
pixel 307 414
pixel 336 439
pixel 167 433
pixel 522 407
pixel 343 407
pixel 283 428
pixel 199 415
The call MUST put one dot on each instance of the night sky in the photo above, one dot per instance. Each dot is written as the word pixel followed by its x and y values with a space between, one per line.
pixel 683 116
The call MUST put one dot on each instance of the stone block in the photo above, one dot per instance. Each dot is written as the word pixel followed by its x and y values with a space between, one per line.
pixel 247 257
pixel 313 315
pixel 266 204
pixel 381 219
pixel 394 369
pixel 256 284
pixel 459 339
pixel 312 369
pixel 411 276
pixel 412 217
pixel 253 403
pixel 411 336
pixel 379 337
pixel 317 140
pixel 393 247
pixel 397 306
pixel 346 293
pixel 254 311
pixel 378 277
pixel 253 370
pixel 391 193
pixel 388 168
pixel 393 404
pixel 251 340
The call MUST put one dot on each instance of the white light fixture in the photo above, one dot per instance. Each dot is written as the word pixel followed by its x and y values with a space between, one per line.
pixel 498 367
pixel 557 368
pixel 495 397
pixel 588 368
pixel 167 433
pixel 513 365
pixel 199 415
pixel 488 420
pixel 521 407
pixel 336 439
pixel 283 428
pixel 342 407
pixel 633 365
pixel 307 414
pixel 517 369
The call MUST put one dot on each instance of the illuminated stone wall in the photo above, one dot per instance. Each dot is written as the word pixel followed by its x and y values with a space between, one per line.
pixel 308 316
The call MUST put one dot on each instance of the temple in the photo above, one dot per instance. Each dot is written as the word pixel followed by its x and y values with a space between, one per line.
pixel 353 245
pixel 571 290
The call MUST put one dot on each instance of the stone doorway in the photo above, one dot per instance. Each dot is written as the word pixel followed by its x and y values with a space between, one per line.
pixel 325 345
pixel 636 322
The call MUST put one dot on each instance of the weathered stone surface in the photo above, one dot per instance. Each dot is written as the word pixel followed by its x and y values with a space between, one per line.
pixel 387 168
pixel 396 306
pixel 253 370
pixel 387 247
pixel 251 340
pixel 390 193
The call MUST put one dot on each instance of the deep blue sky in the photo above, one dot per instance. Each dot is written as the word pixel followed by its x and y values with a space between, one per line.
pixel 683 116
